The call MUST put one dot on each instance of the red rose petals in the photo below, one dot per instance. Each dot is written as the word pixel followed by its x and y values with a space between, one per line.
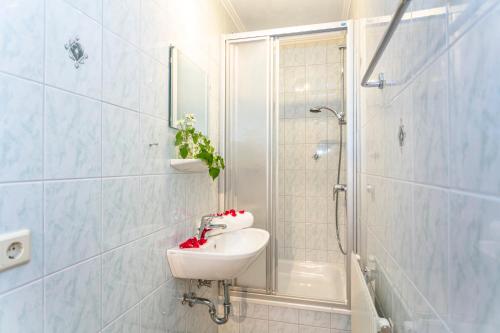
pixel 191 243
pixel 194 243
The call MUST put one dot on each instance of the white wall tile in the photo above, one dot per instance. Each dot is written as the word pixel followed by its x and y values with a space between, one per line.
pixel 65 23
pixel 70 206
pixel 58 135
pixel 154 87
pixel 280 327
pixel 21 117
pixel 284 314
pixel 92 8
pixel 121 72
pixel 252 325
pixel 254 310
pixel 155 145
pixel 123 18
pixel 473 270
pixel 72 136
pixel 21 38
pixel 154 37
pixel 314 318
pixel 121 141
pixel 21 208
pixel 22 309
pixel 128 323
pixel 122 274
pixel 474 154
pixel 121 211
pixel 73 299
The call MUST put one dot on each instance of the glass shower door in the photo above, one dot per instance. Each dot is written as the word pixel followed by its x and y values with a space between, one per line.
pixel 248 141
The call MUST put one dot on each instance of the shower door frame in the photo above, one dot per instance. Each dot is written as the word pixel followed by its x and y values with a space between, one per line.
pixel 273 35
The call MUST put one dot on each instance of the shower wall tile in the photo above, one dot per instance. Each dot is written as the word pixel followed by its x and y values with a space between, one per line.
pixel 21 38
pixel 73 299
pixel 334 76
pixel 121 211
pixel 65 23
pixel 21 114
pixel 121 72
pixel 123 18
pixel 316 130
pixel 295 208
pixel 315 53
pixel 22 309
pixel 316 77
pixel 295 158
pixel 316 236
pixel 295 182
pixel 314 99
pixel 295 79
pixel 294 104
pixel 72 135
pixel 69 206
pixel 21 208
pixel 295 236
pixel 306 193
pixel 121 143
pixel 294 131
pixel 292 55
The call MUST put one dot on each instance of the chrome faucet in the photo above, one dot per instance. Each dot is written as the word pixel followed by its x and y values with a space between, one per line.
pixel 206 222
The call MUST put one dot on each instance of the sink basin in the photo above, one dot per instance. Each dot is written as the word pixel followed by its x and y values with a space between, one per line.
pixel 223 257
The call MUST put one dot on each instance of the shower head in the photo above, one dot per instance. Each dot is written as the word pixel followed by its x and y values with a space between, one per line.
pixel 339 115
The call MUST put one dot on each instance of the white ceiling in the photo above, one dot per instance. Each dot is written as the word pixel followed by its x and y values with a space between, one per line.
pixel 267 14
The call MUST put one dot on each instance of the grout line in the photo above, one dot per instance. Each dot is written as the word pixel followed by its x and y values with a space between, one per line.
pixel 452 190
pixel 44 88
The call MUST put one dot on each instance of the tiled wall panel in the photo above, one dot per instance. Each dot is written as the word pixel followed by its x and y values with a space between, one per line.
pixel 430 209
pixel 76 167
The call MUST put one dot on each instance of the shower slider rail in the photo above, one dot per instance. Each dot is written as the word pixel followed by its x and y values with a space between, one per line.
pixel 396 18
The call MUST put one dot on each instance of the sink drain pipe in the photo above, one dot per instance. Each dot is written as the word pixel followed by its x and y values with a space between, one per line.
pixel 191 299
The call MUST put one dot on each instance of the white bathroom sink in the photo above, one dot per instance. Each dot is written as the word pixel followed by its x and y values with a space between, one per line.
pixel 223 257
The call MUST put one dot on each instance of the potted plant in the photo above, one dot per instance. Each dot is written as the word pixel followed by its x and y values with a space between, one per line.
pixel 191 143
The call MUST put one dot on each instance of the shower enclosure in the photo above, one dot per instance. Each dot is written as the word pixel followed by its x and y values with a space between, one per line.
pixel 288 127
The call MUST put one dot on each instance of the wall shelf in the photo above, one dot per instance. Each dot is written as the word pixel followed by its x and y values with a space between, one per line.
pixel 188 165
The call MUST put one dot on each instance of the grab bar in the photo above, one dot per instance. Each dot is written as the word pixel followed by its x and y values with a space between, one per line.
pixel 396 18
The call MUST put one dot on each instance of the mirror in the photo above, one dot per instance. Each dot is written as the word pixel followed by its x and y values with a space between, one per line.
pixel 188 91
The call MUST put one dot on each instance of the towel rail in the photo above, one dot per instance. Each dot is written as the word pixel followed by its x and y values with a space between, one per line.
pixel 396 18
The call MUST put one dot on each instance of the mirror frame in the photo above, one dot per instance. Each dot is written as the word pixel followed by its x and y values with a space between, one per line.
pixel 172 91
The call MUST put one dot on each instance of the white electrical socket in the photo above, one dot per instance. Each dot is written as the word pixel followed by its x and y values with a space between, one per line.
pixel 15 249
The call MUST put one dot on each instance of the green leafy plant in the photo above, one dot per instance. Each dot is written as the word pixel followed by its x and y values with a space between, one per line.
pixel 193 144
